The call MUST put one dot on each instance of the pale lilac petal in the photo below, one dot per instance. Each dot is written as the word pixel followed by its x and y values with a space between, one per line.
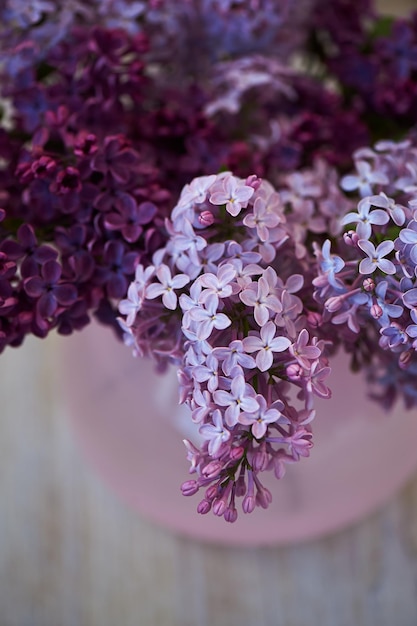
pixel 264 360
pixel 154 290
pixel 169 300
pixel 279 344
pixel 386 266
pixel 252 343
pixel 384 248
pixel 366 266
pixel 179 281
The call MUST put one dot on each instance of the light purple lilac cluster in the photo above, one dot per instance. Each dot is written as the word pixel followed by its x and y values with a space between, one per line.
pixel 367 281
pixel 223 301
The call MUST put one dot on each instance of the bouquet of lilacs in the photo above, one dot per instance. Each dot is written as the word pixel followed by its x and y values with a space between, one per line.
pixel 184 172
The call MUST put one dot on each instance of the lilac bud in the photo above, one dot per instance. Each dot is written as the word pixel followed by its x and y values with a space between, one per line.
pixel 212 469
pixel 219 507
pixel 248 503
pixel 189 488
pixel 404 359
pixel 263 497
pixel 334 303
pixel 253 181
pixel 230 514
pixel 260 459
pixel 368 284
pixel 314 319
pixel 206 218
pixel 376 311
pixel 351 238
pixel 203 507
pixel 211 492
pixel 294 371
pixel 240 489
pixel 236 453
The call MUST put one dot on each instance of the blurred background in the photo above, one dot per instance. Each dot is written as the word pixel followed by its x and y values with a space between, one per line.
pixel 71 554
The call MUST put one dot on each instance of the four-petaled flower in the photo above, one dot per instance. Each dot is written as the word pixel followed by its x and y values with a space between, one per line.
pixel 216 433
pixel 208 317
pixel 166 286
pixel 376 256
pixel 263 416
pixel 233 193
pixel 240 398
pixel 265 345
pixel 366 218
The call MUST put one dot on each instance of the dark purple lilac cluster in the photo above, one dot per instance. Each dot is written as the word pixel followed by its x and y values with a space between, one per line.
pixel 96 144
pixel 82 199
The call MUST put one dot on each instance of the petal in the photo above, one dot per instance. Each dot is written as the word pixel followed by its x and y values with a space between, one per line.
pixel 385 248
pixel 264 360
pixel 378 217
pixel 387 266
pixel 253 343
pixel 221 321
pixel 366 266
pixel 169 300
pixel 66 294
pixel 154 290
pixel 279 344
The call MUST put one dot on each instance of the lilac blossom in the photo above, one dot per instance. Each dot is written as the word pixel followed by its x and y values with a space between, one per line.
pixel 259 420
pixel 376 256
pixel 167 286
pixel 264 345
pixel 364 180
pixel 216 433
pixel 365 218
pixel 234 194
pixel 241 397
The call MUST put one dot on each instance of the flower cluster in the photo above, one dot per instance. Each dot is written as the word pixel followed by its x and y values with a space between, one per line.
pixel 224 302
pixel 367 280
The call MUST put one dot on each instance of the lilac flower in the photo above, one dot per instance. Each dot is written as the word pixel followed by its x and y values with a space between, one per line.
pixel 49 290
pixel 303 352
pixel 260 419
pixel 386 308
pixel 208 373
pixel 292 308
pixel 115 159
pixel 331 264
pixel 233 193
pixel 261 297
pixel 216 433
pixel 364 180
pixel 201 405
pixel 395 211
pixel 376 256
pixel 233 355
pixel 265 344
pixel 218 285
pixel 208 317
pixel 166 287
pixel 262 218
pixel 131 305
pixel 365 218
pixel 393 335
pixel 240 398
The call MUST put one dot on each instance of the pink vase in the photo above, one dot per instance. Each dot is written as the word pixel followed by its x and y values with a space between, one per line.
pixel 129 426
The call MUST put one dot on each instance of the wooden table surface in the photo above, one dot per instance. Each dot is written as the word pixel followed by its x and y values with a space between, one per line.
pixel 72 555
